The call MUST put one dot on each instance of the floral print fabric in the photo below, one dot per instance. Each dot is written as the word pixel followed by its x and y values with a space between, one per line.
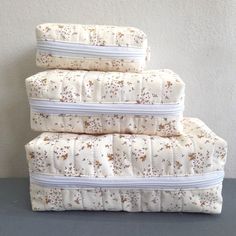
pixel 118 145
pixel 131 200
pixel 94 35
pixel 149 87
pixel 197 151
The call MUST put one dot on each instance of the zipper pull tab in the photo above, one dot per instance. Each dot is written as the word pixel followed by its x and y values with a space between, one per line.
pixel 148 54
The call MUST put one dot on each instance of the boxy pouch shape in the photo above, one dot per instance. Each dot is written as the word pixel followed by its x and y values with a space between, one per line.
pixel 116 172
pixel 95 102
pixel 91 47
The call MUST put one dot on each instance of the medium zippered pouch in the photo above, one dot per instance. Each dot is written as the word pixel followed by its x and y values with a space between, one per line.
pixel 91 47
pixel 123 172
pixel 95 102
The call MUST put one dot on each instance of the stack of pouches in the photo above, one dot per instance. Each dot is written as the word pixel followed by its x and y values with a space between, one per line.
pixel 114 134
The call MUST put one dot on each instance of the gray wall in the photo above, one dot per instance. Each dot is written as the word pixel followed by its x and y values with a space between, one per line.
pixel 195 38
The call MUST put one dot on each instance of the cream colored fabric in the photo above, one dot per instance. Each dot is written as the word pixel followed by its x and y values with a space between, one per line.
pixel 132 200
pixel 97 35
pixel 149 87
pixel 197 151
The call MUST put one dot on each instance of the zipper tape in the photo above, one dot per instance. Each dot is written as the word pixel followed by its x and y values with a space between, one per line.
pixel 205 180
pixel 83 50
pixel 56 107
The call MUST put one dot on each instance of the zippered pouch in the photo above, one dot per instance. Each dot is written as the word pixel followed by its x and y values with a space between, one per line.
pixel 106 102
pixel 116 172
pixel 91 47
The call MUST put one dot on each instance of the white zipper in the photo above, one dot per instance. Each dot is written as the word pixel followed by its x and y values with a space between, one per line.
pixel 205 180
pixel 57 107
pixel 71 49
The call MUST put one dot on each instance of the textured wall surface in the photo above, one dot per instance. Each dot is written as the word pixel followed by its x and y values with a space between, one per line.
pixel 195 38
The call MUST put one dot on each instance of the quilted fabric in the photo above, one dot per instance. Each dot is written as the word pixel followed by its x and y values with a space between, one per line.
pixel 195 152
pixel 132 200
pixel 149 87
pixel 95 35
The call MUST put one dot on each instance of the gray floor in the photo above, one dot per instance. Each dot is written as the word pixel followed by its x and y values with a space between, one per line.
pixel 16 218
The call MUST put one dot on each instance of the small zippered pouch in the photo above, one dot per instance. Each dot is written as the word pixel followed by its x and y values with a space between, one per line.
pixel 117 172
pixel 91 47
pixel 96 102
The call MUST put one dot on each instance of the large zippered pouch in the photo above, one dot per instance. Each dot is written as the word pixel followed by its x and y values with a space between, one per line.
pixel 95 102
pixel 116 172
pixel 91 47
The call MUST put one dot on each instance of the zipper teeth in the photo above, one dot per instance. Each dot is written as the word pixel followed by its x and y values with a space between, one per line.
pixel 164 182
pixel 77 49
pixel 56 107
